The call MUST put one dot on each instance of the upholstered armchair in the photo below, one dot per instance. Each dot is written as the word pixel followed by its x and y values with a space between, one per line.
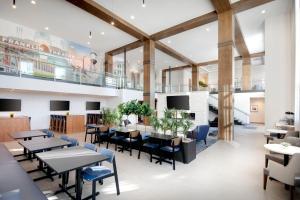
pixel 200 133
pixel 288 175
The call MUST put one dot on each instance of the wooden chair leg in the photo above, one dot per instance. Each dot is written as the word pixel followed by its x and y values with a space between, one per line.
pixel 265 181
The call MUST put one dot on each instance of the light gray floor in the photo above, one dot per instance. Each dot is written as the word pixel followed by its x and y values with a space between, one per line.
pixel 225 170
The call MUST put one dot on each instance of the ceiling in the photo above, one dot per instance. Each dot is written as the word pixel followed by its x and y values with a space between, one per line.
pixel 158 14
pixel 199 44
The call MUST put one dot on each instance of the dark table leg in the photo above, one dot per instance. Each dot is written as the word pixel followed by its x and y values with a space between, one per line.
pixel 78 183
pixel 286 160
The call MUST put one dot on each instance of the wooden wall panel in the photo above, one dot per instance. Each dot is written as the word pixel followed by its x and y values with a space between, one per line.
pixel 11 125
pixel 108 63
pixel 75 124
pixel 195 76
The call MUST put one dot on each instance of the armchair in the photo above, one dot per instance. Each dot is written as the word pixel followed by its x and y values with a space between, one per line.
pixel 284 174
pixel 200 133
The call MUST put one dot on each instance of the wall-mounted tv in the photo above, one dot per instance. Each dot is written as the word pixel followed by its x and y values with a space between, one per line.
pixel 178 102
pixel 10 105
pixel 91 105
pixel 59 105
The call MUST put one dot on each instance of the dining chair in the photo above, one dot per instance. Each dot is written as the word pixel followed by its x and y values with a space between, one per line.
pixel 131 141
pixel 284 174
pixel 147 146
pixel 48 132
pixel 89 131
pixel 116 139
pixel 90 146
pixel 171 150
pixel 74 142
pixel 102 134
pixel 99 173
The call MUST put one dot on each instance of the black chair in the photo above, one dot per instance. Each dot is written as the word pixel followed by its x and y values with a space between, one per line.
pixel 170 151
pixel 116 139
pixel 102 134
pixel 89 131
pixel 131 141
pixel 213 123
pixel 147 146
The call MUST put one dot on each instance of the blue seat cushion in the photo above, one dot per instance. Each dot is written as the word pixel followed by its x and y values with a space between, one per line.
pixel 169 149
pixel 95 173
pixel 11 195
pixel 151 145
pixel 117 137
pixel 128 140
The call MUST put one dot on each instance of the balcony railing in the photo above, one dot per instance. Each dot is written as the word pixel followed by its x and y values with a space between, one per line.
pixel 16 65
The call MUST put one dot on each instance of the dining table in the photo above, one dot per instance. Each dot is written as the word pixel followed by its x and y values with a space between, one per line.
pixel 285 150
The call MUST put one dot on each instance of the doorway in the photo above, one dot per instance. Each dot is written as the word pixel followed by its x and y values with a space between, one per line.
pixel 257 110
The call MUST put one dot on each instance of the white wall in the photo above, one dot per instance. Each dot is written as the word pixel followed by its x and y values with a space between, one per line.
pixel 297 63
pixel 37 105
pixel 279 95
pixel 30 84
pixel 198 104
pixel 241 104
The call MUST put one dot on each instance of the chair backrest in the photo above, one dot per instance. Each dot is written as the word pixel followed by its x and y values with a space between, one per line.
pixel 202 132
pixel 108 153
pixel 74 142
pixel 64 137
pixel 176 141
pixel 90 146
pixel 104 129
pixel 145 135
pixel 134 134
pixel 292 134
pixel 295 141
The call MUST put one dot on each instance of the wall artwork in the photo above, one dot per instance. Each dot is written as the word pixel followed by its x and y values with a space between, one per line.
pixel 254 108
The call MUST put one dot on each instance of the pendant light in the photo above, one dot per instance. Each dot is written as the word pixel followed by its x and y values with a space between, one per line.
pixel 144 4
pixel 14 6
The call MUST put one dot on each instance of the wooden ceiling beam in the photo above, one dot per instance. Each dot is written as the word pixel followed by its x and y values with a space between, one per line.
pixel 221 6
pixel 171 52
pixel 243 5
pixel 126 47
pixel 239 40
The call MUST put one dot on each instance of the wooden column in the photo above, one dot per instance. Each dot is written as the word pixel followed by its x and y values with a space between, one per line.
pixel 163 80
pixel 149 72
pixel 246 73
pixel 194 78
pixel 225 75
pixel 108 63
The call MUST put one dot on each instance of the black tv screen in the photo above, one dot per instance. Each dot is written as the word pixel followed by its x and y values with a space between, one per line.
pixel 90 105
pixel 59 105
pixel 178 102
pixel 9 105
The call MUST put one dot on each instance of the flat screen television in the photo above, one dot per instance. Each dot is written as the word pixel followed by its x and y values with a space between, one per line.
pixel 92 105
pixel 10 105
pixel 178 102
pixel 59 105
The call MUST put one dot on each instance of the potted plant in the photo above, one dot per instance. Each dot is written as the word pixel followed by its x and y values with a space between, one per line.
pixel 155 122
pixel 110 118
pixel 185 123
pixel 145 111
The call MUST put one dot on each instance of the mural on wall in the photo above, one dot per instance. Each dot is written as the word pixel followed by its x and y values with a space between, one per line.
pixel 41 54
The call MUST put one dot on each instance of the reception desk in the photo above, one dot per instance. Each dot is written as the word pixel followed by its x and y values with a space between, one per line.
pixel 75 124
pixel 10 125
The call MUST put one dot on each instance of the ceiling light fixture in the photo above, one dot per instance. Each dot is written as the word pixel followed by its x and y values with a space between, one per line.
pixel 263 11
pixel 88 43
pixel 90 35
pixel 102 33
pixel 207 29
pixel 132 17
pixel 33 2
pixel 112 23
pixel 14 6
pixel 46 28
pixel 169 41
pixel 144 4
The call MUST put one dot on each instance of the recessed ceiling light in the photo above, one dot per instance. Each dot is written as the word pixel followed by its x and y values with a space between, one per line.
pixel 169 41
pixel 102 33
pixel 88 43
pixel 46 28
pixel 263 11
pixel 14 6
pixel 33 2
pixel 132 17
pixel 112 23
pixel 207 29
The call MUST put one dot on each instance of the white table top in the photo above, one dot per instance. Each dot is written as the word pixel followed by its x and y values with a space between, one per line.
pixel 277 131
pixel 278 148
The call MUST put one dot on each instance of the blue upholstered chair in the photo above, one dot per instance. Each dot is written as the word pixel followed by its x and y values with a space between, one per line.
pixel 48 132
pixel 147 146
pixel 64 137
pixel 170 151
pixel 201 133
pixel 90 146
pixel 131 141
pixel 74 142
pixel 98 173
